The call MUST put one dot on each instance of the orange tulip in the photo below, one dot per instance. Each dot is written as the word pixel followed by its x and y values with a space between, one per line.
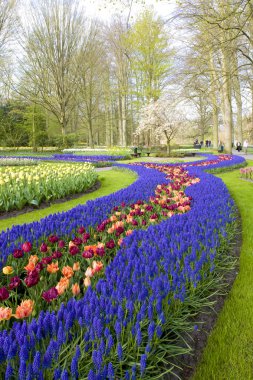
pixel 25 309
pixel 75 289
pixel 67 271
pixel 29 267
pixel 5 313
pixel 53 268
pixel 62 285
pixel 76 267
pixel 33 259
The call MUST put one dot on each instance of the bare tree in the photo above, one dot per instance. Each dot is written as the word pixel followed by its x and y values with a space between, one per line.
pixel 8 22
pixel 52 57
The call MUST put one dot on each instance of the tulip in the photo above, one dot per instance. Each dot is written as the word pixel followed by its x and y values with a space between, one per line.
pixel 43 248
pixel 25 309
pixel 5 313
pixel 87 281
pixel 18 253
pixel 75 289
pixel 50 294
pixel 67 271
pixel 27 246
pixel 76 267
pixel 14 282
pixel 8 270
pixel 89 272
pixel 4 294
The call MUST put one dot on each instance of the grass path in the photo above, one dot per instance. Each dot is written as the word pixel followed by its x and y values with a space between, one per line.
pixel 229 352
pixel 111 181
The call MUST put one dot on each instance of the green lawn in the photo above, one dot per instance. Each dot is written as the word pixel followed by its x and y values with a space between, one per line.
pixel 229 352
pixel 111 181
pixel 162 159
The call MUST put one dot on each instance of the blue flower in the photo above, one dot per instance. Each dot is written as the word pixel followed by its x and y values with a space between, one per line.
pixel 143 363
pixel 110 371
pixel 120 352
pixel 8 372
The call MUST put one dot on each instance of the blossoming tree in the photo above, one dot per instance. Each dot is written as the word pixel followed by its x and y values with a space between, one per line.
pixel 161 118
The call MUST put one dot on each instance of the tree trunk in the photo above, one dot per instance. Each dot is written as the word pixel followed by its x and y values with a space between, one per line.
pixel 168 143
pixel 213 98
pixel 91 140
pixel 124 120
pixel 251 87
pixel 34 145
pixel 226 93
pixel 119 120
pixel 238 99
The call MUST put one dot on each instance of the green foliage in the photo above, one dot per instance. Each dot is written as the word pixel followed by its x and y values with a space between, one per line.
pixel 13 131
pixel 35 121
pixel 150 61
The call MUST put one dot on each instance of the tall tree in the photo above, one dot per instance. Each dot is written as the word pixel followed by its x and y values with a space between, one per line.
pixel 91 80
pixel 52 57
pixel 8 21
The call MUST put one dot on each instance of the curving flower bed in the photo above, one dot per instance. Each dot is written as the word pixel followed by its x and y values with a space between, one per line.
pixel 115 329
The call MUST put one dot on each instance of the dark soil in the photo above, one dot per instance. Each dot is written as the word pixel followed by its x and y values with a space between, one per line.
pixel 29 208
pixel 206 320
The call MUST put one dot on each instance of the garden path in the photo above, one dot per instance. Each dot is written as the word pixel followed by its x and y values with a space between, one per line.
pixel 248 156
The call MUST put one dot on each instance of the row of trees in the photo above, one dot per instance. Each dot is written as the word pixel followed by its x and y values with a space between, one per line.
pixel 93 78
pixel 81 77
pixel 218 70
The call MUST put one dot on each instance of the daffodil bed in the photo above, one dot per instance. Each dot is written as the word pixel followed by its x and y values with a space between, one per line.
pixel 31 185
pixel 103 291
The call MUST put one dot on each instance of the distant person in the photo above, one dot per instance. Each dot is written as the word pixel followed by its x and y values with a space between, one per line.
pixel 209 143
pixel 238 146
pixel 245 146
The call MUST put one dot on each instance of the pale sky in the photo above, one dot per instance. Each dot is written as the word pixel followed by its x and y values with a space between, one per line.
pixel 104 9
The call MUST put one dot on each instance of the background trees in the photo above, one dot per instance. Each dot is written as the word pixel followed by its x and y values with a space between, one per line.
pixel 86 80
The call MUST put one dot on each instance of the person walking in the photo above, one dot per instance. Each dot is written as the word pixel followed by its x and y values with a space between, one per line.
pixel 238 146
pixel 245 146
